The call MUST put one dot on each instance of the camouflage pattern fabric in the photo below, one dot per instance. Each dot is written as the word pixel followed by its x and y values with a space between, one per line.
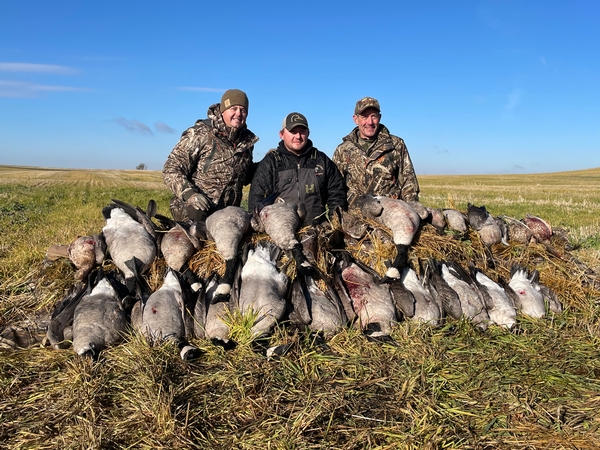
pixel 209 158
pixel 384 169
pixel 366 102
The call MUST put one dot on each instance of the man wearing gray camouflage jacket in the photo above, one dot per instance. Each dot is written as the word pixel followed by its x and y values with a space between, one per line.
pixel 373 161
pixel 212 161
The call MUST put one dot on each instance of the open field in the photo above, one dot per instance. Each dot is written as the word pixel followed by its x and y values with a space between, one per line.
pixel 451 387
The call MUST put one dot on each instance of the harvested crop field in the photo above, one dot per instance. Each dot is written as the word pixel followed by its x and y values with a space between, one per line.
pixel 450 387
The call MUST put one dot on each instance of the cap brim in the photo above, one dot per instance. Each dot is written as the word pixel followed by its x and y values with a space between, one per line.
pixel 367 107
pixel 296 125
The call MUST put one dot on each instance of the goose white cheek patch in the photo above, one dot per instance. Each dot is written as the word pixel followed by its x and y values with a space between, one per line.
pixel 392 272
pixel 223 289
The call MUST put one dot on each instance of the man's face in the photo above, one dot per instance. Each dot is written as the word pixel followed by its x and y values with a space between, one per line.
pixel 368 122
pixel 235 116
pixel 296 139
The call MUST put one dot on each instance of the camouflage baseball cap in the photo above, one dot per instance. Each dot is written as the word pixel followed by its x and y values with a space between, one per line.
pixel 364 103
pixel 294 119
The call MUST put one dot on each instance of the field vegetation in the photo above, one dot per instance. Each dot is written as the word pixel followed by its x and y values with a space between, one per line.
pixel 451 387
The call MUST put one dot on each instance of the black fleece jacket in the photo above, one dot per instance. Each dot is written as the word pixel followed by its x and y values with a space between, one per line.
pixel 282 173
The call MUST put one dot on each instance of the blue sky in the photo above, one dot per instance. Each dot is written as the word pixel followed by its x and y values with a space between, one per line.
pixel 473 87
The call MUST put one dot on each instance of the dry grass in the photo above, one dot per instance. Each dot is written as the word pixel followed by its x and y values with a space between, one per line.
pixel 451 387
pixel 566 199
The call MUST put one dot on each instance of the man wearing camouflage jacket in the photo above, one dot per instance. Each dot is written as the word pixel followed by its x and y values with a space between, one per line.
pixel 373 161
pixel 212 161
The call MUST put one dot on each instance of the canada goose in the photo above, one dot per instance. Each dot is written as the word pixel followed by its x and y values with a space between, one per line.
pixel 99 319
pixel 281 220
pixel 551 299
pixel 352 225
pixel 471 301
pixel 401 219
pixel 163 316
pixel 490 232
pixel 263 287
pixel 485 224
pixel 427 309
pixel 441 290
pixel 371 300
pixel 436 219
pixel 420 209
pixel 130 238
pixel 177 244
pixel 60 327
pixel 456 220
pixel 211 317
pixel 227 227
pixel 319 310
pixel 503 229
pixel 477 216
pixel 404 300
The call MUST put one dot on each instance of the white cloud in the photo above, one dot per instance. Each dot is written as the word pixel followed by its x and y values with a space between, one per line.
pixel 24 89
pixel 36 68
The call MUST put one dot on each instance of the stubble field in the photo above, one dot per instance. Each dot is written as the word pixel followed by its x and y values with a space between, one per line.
pixel 450 387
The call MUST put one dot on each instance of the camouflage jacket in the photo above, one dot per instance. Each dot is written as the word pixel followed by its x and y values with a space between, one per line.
pixel 210 158
pixel 385 169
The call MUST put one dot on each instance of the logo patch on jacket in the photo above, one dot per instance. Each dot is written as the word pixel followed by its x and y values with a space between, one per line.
pixel 310 188
pixel 319 171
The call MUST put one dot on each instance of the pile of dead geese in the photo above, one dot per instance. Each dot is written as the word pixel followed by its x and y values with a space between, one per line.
pixel 318 279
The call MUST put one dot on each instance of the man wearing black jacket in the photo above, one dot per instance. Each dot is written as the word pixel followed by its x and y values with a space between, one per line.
pixel 298 173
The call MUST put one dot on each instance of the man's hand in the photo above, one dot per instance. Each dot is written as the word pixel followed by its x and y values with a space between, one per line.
pixel 199 201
